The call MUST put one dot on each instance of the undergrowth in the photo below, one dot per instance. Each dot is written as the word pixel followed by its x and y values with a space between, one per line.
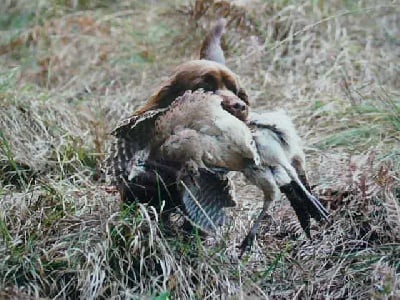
pixel 70 70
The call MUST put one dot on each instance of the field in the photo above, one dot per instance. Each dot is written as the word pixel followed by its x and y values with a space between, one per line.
pixel 70 70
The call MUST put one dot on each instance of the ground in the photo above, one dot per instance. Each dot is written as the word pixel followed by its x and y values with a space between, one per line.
pixel 71 70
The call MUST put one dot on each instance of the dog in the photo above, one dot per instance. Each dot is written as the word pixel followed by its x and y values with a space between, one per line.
pixel 208 73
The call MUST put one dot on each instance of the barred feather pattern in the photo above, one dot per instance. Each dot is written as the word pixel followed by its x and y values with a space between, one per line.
pixel 205 198
pixel 130 148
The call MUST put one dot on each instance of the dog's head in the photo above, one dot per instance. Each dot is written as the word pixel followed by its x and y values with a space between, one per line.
pixel 201 74
pixel 209 73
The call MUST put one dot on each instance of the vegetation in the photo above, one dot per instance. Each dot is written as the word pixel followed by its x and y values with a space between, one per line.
pixel 70 70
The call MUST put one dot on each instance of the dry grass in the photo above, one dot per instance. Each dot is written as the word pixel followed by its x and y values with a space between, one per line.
pixel 70 70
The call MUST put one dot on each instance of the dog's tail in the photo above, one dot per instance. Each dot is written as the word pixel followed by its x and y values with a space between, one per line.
pixel 211 47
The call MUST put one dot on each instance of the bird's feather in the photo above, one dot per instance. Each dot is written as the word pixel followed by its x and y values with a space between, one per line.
pixel 280 151
pixel 130 146
pixel 205 196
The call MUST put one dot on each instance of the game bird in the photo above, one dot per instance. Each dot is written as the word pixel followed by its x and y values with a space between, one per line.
pixel 282 169
pixel 275 165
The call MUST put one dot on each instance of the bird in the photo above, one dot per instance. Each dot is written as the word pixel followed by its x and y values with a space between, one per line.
pixel 202 141
pixel 181 154
pixel 282 169
pixel 197 125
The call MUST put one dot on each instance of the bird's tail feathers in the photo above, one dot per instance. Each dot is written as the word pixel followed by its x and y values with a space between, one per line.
pixel 305 204
pixel 299 207
pixel 316 209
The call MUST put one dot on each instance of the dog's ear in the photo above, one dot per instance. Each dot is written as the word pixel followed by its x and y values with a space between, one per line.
pixel 181 81
pixel 211 47
pixel 162 98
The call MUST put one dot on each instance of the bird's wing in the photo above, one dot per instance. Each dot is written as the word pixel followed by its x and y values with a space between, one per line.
pixel 205 196
pixel 130 147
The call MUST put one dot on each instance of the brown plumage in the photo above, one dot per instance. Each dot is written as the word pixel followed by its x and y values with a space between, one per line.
pixel 180 155
pixel 198 129
pixel 202 140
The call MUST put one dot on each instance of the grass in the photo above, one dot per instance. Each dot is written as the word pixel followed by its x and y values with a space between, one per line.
pixel 71 70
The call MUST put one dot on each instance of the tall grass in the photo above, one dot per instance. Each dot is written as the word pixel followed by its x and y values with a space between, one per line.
pixel 70 70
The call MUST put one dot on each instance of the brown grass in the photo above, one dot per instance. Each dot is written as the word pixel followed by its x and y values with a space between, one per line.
pixel 70 70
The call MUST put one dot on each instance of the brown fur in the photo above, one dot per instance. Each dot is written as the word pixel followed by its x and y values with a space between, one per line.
pixel 193 75
pixel 209 73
